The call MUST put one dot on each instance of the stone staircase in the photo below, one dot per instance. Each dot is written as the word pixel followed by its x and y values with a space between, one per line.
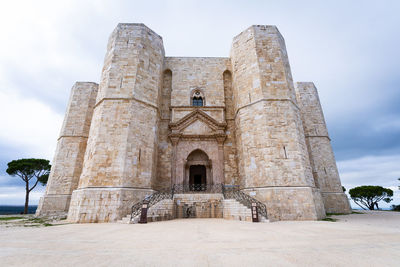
pixel 203 206
pixel 161 211
pixel 234 210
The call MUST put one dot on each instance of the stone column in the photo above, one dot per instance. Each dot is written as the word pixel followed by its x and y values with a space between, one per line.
pixel 71 146
pixel 174 141
pixel 220 175
pixel 272 154
pixel 320 150
pixel 121 157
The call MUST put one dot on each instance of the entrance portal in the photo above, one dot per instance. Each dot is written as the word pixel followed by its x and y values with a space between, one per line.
pixel 197 178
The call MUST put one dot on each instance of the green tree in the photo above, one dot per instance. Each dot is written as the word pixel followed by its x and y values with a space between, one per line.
pixel 368 196
pixel 28 169
pixel 343 188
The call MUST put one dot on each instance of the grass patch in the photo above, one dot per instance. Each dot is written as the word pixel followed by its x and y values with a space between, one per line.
pixel 10 218
pixel 47 224
pixel 36 220
pixel 329 220
pixel 356 212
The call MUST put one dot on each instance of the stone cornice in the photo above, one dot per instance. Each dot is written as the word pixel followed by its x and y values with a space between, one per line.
pixel 177 128
pixel 80 136
pixel 264 100
pixel 128 99
pixel 194 107
pixel 197 114
pixel 321 136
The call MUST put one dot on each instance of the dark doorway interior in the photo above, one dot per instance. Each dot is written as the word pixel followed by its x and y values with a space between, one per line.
pixel 197 178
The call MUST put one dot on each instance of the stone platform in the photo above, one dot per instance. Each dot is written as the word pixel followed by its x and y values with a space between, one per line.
pixel 200 205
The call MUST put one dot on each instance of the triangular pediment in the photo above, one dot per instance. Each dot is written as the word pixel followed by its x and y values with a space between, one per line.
pixel 197 127
pixel 197 122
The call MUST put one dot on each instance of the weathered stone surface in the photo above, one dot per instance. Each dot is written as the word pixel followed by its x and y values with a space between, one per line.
pixel 122 146
pixel 322 159
pixel 71 146
pixel 159 121
pixel 269 133
pixel 198 205
pixel 103 204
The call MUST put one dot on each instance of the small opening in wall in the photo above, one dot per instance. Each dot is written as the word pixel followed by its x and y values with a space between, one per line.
pixel 140 152
pixel 284 151
pixel 197 98
pixel 197 101
pixel 325 170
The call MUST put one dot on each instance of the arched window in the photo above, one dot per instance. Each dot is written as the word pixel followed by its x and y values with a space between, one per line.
pixel 197 99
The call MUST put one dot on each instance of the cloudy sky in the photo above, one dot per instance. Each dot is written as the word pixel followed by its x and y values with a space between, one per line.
pixel 349 49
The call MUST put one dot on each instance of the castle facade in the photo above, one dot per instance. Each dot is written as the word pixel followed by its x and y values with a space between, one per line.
pixel 154 122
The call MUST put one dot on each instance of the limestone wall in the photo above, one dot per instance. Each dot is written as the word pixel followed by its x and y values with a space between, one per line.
pixel 271 146
pixel 252 128
pixel 205 73
pixel 122 146
pixel 71 146
pixel 200 205
pixel 213 77
pixel 163 181
pixel 320 150
pixel 230 150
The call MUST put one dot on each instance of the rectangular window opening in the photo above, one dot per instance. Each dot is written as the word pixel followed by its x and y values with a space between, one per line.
pixel 284 151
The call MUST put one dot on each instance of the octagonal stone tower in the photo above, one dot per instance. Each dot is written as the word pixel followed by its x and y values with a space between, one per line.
pixel 320 151
pixel 164 121
pixel 71 146
pixel 273 157
pixel 120 160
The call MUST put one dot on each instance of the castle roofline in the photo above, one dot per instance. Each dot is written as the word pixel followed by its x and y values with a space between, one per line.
pixel 198 57
pixel 257 26
pixel 305 83
pixel 86 82
pixel 139 24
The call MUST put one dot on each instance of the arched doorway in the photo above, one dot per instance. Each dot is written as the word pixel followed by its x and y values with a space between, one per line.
pixel 197 177
pixel 198 170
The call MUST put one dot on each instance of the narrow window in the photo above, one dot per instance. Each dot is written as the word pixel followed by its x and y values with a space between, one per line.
pixel 197 101
pixel 284 151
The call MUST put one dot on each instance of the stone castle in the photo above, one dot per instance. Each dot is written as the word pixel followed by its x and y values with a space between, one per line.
pixel 155 122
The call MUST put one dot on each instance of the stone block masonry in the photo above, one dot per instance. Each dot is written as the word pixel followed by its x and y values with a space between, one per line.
pixel 121 156
pixel 157 121
pixel 71 147
pixel 322 159
pixel 273 158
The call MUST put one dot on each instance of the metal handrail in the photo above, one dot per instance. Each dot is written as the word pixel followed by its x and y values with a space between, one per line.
pixel 234 192
pixel 150 200
pixel 197 188
pixel 228 191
